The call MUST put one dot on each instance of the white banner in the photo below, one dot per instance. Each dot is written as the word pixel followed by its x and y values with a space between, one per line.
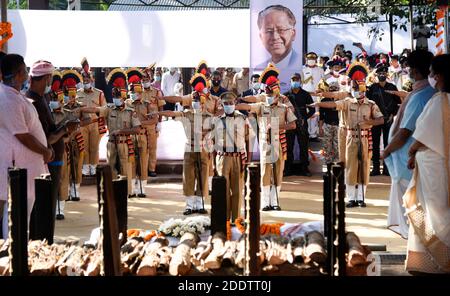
pixel 132 38
pixel 276 32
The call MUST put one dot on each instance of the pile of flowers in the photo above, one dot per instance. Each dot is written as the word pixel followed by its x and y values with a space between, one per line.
pixel 178 227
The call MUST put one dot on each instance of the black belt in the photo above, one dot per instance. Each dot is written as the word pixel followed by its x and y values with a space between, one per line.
pixel 332 123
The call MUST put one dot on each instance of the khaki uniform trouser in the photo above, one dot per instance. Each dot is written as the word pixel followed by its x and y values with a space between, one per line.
pixel 152 141
pixel 125 162
pixel 342 142
pixel 91 143
pixel 230 168
pixel 352 172
pixel 190 173
pixel 143 157
pixel 278 168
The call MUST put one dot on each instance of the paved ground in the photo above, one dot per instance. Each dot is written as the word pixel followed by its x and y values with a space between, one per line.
pixel 301 200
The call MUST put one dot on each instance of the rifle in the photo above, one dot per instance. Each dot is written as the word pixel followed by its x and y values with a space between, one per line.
pixel 272 175
pixel 117 165
pixel 72 172
pixel 360 160
pixel 138 165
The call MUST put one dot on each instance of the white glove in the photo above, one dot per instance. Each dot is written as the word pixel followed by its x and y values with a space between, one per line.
pixel 158 127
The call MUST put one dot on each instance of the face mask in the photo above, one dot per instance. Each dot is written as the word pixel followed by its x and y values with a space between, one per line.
pixel 25 85
pixel 335 73
pixel 196 105
pixel 205 91
pixel 117 102
pixel 256 86
pixel 133 96
pixel 229 109
pixel 172 69
pixel 382 78
pixel 48 89
pixel 295 84
pixel 270 100
pixel 432 81
pixel 157 78
pixel 216 82
pixel 79 85
pixel 87 86
pixel 311 62
pixel 66 99
pixel 54 105
pixel 146 84
pixel 356 94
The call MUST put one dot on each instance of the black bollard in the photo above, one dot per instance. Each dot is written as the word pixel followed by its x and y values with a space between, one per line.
pixel 18 221
pixel 219 205
pixel 327 216
pixel 42 221
pixel 108 220
pixel 338 172
pixel 120 187
pixel 254 187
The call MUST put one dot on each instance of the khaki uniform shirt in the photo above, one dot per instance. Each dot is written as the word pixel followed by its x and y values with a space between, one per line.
pixel 261 98
pixel 152 96
pixel 230 132
pixel 268 114
pixel 193 122
pixel 117 119
pixel 227 82
pixel 213 104
pixel 241 82
pixel 95 98
pixel 353 112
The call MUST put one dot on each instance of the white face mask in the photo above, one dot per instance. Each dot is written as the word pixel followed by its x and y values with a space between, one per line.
pixel 48 89
pixel 196 105
pixel 146 84
pixel 311 62
pixel 79 85
pixel 256 86
pixel 336 73
pixel 54 105
pixel 134 96
pixel 205 90
pixel 357 94
pixel 432 81
pixel 87 86
pixel 270 100
pixel 117 102
pixel 229 109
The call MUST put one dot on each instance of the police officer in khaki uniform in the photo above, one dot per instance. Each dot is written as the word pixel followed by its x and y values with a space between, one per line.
pixel 230 133
pixel 89 96
pixel 358 113
pixel 197 124
pixel 122 123
pixel 75 149
pixel 274 118
pixel 142 109
pixel 153 97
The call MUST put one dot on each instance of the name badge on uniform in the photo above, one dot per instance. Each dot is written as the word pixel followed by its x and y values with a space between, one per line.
pixel 354 110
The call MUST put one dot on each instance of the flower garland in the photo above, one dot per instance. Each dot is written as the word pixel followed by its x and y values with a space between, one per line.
pixel 266 228
pixel 178 227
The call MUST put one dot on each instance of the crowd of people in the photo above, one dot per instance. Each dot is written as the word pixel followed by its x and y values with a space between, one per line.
pixel 52 120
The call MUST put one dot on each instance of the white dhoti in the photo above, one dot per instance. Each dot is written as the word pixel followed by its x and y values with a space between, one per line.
pixel 397 221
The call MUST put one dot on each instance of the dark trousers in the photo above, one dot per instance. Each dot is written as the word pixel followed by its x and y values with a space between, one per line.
pixel 42 221
pixel 376 136
pixel 301 132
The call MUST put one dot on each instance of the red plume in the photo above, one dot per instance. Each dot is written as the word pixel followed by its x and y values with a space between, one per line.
pixel 271 80
pixel 199 87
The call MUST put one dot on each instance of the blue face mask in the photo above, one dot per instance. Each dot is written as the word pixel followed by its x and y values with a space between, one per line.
pixel 66 99
pixel 196 105
pixel 25 85
pixel 48 89
pixel 270 100
pixel 133 96
pixel 229 109
pixel 295 84
pixel 117 102
pixel 54 105
pixel 157 78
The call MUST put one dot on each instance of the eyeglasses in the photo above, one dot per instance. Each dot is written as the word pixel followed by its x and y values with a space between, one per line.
pixel 281 32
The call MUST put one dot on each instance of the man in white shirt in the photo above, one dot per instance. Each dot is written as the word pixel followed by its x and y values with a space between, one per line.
pixel 168 81
pixel 241 81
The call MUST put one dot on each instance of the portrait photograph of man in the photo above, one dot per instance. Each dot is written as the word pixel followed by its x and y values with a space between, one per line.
pixel 276 34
